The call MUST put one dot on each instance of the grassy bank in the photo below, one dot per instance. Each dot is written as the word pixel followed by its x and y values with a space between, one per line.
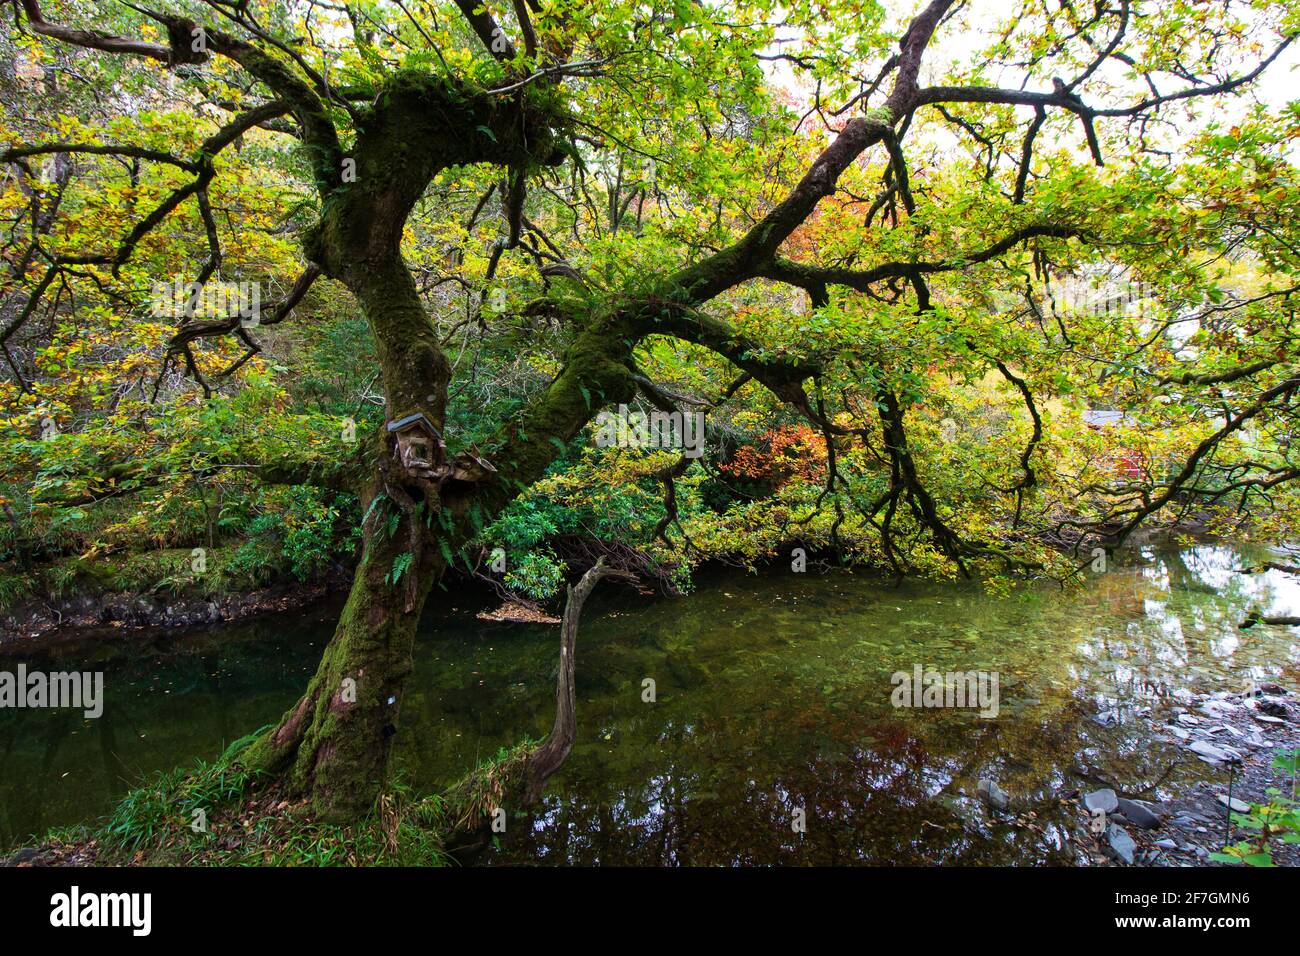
pixel 217 814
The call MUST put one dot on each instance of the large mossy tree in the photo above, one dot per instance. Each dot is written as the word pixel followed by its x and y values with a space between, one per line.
pixel 382 101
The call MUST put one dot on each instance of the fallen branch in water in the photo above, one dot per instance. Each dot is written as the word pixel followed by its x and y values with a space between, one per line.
pixel 544 761
pixel 1254 617
pixel 518 777
pixel 1272 566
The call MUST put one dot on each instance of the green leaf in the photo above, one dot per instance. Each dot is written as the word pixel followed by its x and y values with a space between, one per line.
pixel 401 564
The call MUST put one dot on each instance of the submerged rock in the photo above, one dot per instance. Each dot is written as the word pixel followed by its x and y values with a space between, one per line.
pixel 1271 708
pixel 686 673
pixel 1121 843
pixel 1104 800
pixel 1187 820
pixel 1216 709
pixel 1139 814
pixel 992 795
pixel 1212 754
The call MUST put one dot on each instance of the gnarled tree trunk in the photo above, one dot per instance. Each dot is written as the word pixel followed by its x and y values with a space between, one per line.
pixel 334 744
pixel 554 750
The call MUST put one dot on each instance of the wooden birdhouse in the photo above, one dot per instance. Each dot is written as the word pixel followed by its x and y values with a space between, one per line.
pixel 419 447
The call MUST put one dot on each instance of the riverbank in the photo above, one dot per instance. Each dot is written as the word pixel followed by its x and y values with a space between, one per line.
pixel 217 815
pixel 1239 736
pixel 78 595
pixel 223 814
pixel 84 598
pixel 49 621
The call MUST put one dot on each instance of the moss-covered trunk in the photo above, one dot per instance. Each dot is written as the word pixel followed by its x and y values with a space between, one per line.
pixel 334 744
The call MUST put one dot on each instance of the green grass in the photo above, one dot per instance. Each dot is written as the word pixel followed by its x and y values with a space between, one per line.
pixel 150 813
pixel 14 588
pixel 247 825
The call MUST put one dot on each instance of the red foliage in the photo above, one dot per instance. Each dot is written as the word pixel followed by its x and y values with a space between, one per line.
pixel 783 454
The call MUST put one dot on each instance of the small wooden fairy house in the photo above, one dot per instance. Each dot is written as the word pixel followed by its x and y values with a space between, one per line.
pixel 418 445
pixel 469 467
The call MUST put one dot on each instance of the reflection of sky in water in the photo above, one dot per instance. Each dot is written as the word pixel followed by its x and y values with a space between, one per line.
pixel 773 695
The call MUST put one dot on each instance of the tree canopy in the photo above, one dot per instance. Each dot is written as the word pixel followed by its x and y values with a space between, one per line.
pixel 960 288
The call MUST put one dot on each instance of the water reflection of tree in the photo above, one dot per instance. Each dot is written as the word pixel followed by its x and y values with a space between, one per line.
pixel 27 784
pixel 895 802
pixel 57 767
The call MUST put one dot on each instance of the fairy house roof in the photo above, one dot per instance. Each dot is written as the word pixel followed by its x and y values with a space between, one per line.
pixel 417 420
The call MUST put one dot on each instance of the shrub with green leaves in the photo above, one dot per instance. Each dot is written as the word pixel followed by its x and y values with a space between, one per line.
pixel 1279 820
pixel 299 531
pixel 537 574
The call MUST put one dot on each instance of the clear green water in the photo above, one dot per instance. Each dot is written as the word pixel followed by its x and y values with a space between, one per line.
pixel 773 695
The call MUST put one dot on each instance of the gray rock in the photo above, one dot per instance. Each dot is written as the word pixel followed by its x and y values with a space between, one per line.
pixel 1121 843
pixel 992 795
pixel 1237 806
pixel 1272 708
pixel 1104 800
pixel 1139 814
pixel 1212 754
pixel 1190 817
pixel 1167 844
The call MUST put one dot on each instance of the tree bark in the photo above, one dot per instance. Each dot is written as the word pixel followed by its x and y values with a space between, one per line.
pixel 328 746
pixel 547 758
pixel 334 744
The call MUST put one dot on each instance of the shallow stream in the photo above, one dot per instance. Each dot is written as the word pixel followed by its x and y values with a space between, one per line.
pixel 772 695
